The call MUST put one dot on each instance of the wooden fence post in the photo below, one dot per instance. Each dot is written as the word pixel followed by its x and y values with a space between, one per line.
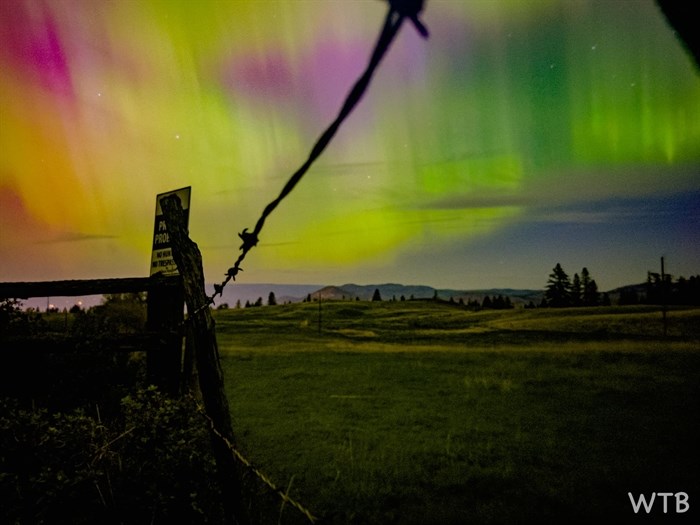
pixel 211 379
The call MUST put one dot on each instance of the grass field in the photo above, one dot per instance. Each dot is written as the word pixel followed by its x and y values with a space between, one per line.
pixel 423 412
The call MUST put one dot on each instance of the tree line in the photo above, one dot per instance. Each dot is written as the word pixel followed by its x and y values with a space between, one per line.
pixel 661 289
pixel 562 291
pixel 582 290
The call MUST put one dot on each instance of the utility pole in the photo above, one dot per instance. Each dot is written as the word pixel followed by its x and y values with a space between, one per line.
pixel 664 300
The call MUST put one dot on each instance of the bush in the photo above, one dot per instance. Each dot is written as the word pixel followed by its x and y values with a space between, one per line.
pixel 150 465
pixel 15 321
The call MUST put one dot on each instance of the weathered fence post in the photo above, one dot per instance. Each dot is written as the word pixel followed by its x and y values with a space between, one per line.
pixel 211 380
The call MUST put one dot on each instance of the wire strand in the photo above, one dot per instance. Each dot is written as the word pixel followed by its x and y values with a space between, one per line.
pixel 392 24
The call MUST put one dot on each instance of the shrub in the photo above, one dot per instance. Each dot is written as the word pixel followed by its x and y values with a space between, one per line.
pixel 15 321
pixel 150 465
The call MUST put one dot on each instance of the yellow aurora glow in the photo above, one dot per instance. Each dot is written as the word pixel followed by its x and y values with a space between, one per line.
pixel 105 104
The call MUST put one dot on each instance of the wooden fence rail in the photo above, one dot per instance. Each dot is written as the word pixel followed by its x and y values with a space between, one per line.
pixel 72 288
pixel 165 313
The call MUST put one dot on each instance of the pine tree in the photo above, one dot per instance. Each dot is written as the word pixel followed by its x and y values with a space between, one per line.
pixel 271 299
pixel 558 292
pixel 376 296
pixel 576 290
pixel 590 295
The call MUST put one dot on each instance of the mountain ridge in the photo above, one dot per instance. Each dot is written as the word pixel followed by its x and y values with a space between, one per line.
pixel 245 292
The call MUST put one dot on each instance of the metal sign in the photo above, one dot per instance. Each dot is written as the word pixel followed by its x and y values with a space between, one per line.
pixel 161 256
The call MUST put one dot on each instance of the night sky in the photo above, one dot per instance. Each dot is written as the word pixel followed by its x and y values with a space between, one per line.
pixel 519 135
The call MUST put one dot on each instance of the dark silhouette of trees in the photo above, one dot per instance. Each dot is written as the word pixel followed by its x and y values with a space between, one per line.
pixel 662 290
pixel 498 302
pixel 687 291
pixel 271 299
pixel 376 296
pixel 558 292
pixel 658 287
pixel 473 304
pixel 590 296
pixel 579 291
pixel 576 291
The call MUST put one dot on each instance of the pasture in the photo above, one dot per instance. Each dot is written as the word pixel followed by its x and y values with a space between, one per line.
pixel 422 412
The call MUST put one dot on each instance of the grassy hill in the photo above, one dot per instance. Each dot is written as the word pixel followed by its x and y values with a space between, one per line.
pixel 421 412
pixel 436 323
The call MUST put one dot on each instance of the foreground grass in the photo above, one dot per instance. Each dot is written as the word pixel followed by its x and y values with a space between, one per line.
pixel 425 413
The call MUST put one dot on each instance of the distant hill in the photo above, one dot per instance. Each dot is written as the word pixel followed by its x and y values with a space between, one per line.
pixel 631 290
pixel 298 292
pixel 366 291
pixel 390 291
pixel 293 293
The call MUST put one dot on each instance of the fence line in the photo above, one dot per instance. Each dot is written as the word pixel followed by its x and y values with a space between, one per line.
pixel 260 475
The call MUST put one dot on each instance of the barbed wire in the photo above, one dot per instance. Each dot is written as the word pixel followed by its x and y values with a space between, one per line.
pixel 284 495
pixel 399 10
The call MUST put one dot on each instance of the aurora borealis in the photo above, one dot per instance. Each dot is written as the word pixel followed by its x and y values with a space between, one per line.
pixel 519 135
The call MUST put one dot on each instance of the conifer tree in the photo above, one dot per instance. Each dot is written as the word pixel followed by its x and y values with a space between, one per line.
pixel 589 289
pixel 558 292
pixel 576 290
